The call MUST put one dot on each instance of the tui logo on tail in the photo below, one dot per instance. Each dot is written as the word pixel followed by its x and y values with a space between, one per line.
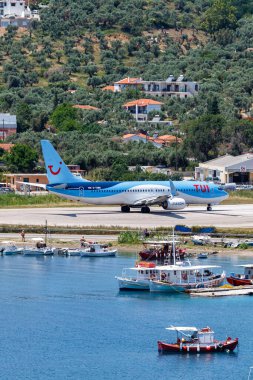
pixel 50 167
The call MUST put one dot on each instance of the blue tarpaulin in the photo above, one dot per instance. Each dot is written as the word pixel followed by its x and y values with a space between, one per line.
pixel 182 228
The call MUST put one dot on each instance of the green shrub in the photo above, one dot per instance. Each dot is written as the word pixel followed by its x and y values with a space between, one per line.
pixel 129 237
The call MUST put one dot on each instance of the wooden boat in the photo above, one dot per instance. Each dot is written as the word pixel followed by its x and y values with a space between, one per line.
pixel 161 249
pixel 194 340
pixel 179 278
pixel 242 279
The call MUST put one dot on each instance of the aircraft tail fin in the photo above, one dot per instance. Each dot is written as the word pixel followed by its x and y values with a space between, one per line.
pixel 57 170
pixel 173 189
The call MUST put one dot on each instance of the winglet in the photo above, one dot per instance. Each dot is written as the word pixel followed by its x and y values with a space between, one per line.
pixel 57 170
pixel 173 189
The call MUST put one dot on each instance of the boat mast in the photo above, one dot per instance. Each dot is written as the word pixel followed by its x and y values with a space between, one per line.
pixel 46 233
pixel 173 246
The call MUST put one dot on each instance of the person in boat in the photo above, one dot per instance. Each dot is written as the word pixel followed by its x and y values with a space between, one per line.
pixel 163 276
pixel 82 241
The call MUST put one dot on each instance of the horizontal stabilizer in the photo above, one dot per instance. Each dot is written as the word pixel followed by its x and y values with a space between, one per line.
pixel 31 184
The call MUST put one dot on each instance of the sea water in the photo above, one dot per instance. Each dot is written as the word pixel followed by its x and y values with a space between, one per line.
pixel 64 318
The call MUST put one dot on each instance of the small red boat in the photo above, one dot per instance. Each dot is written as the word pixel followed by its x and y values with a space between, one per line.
pixel 193 340
pixel 242 279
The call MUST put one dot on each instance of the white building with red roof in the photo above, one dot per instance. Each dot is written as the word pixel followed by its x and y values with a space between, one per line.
pixel 140 108
pixel 170 87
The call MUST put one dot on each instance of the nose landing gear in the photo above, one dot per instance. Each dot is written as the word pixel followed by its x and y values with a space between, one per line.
pixel 209 207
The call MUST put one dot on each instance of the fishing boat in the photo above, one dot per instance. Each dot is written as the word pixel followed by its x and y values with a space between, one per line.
pixel 161 249
pixel 242 279
pixel 138 277
pixel 194 340
pixel 178 278
pixel 98 250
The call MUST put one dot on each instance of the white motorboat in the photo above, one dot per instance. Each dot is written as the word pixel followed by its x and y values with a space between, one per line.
pixel 98 250
pixel 73 252
pixel 38 251
pixel 138 277
pixel 12 249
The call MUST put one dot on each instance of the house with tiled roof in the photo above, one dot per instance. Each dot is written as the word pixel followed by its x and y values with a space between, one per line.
pixel 170 87
pixel 127 83
pixel 140 108
pixel 6 147
pixel 158 141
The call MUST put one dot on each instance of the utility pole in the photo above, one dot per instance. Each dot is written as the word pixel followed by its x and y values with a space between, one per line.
pixel 176 166
pixel 3 129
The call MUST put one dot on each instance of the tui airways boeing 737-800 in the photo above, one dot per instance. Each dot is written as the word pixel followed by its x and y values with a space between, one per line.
pixel 171 195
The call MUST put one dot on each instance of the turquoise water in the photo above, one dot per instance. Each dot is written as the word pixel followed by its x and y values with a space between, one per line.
pixel 63 318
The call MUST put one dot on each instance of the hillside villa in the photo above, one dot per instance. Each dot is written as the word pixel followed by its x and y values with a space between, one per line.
pixel 17 13
pixel 158 141
pixel 141 107
pixel 170 87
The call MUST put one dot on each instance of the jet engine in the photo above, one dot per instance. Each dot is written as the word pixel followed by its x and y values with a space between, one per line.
pixel 174 204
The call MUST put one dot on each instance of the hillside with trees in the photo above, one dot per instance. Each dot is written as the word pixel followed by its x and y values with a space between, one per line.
pixel 84 46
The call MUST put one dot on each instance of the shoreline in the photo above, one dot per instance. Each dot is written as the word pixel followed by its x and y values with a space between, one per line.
pixel 134 248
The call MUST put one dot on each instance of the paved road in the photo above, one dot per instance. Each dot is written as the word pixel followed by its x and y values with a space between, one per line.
pixel 221 216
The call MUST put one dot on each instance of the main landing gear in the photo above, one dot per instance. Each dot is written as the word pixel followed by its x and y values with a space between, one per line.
pixel 125 209
pixel 209 207
pixel 145 209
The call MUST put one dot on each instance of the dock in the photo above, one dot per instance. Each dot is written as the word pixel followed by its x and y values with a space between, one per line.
pixel 222 292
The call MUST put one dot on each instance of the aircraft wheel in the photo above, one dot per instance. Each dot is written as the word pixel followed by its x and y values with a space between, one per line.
pixel 145 209
pixel 125 209
pixel 209 208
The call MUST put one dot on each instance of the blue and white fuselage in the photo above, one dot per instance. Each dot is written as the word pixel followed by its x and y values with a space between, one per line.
pixel 135 192
pixel 170 195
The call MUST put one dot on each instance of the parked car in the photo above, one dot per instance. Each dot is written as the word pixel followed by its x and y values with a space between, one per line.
pixel 4 190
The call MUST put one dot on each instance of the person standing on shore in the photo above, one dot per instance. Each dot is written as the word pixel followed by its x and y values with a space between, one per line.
pixel 23 235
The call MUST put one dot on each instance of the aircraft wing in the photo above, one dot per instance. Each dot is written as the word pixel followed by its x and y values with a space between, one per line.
pixel 151 200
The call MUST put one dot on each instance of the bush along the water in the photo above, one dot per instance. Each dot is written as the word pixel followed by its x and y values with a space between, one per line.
pixel 129 237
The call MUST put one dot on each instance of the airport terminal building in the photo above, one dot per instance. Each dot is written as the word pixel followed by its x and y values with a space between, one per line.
pixel 227 169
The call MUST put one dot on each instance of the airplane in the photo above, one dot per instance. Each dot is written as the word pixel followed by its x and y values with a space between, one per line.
pixel 170 195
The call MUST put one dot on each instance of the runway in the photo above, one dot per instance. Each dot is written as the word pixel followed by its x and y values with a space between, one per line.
pixel 221 216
